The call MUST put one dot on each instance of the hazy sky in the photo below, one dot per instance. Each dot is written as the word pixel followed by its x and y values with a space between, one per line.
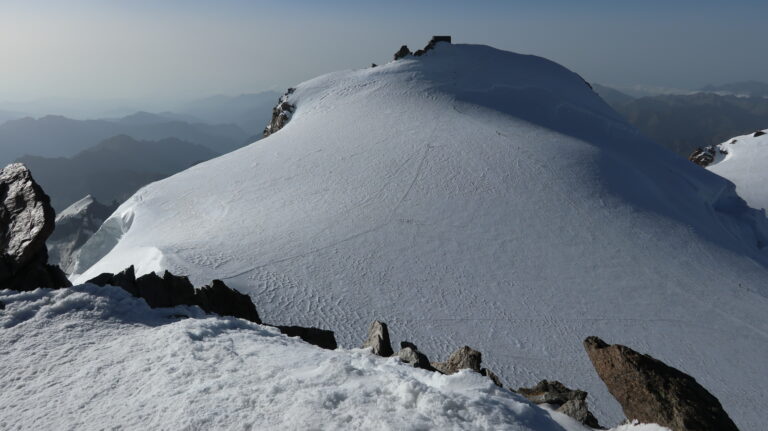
pixel 177 49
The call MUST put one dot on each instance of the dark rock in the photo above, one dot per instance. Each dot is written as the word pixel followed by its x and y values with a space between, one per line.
pixel 402 52
pixel 415 358
pixel 758 133
pixel 465 357
pixel 571 402
pixel 404 344
pixel 378 339
pixel 374 65
pixel 2 305
pixel 220 299
pixel 431 45
pixel 319 337
pixel 26 222
pixel 491 375
pixel 652 392
pixel 172 290
pixel 281 114
pixel 125 279
pixel 703 156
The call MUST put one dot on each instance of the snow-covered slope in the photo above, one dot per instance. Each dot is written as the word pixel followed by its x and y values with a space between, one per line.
pixel 472 196
pixel 744 160
pixel 74 226
pixel 92 357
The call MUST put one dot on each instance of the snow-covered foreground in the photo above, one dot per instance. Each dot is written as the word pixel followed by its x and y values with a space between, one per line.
pixel 94 357
pixel 744 160
pixel 480 197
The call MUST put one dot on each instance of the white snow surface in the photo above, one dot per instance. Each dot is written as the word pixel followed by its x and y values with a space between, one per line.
pixel 472 196
pixel 744 160
pixel 92 357
pixel 77 209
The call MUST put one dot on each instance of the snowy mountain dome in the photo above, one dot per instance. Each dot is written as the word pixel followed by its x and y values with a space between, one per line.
pixel 472 196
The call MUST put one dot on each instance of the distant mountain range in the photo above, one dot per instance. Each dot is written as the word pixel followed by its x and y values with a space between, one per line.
pixel 56 136
pixel 114 169
pixel 744 88
pixel 683 123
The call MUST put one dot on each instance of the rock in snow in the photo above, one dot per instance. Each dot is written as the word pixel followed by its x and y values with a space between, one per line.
pixel 471 188
pixel 74 226
pixel 463 358
pixel 652 392
pixel 378 339
pixel 571 402
pixel 26 221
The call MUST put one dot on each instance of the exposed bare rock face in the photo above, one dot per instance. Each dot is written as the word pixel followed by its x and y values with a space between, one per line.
pixel 172 290
pixel 465 357
pixel 319 337
pixel 411 355
pixel 402 52
pixel 281 113
pixel 26 222
pixel 703 156
pixel 571 402
pixel 653 392
pixel 378 339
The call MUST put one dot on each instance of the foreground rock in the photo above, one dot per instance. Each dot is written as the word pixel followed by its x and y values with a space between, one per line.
pixel 172 290
pixel 319 337
pixel 74 226
pixel 378 339
pixel 26 222
pixel 411 355
pixel 465 358
pixel 281 114
pixel 571 402
pixel 653 392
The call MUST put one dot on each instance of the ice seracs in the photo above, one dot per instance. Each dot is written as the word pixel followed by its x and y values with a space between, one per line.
pixel 477 197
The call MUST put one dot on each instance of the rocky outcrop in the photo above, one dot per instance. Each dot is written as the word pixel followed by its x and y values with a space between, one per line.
pixel 2 305
pixel 465 357
pixel 703 156
pixel 758 133
pixel 431 45
pixel 411 355
pixel 281 114
pixel 571 402
pixel 652 392
pixel 378 339
pixel 74 226
pixel 319 337
pixel 172 290
pixel 26 222
pixel 402 52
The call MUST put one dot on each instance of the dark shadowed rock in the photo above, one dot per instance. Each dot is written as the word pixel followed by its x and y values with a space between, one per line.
pixel 431 45
pixel 653 392
pixel 172 290
pixel 125 279
pixel 220 299
pixel 281 114
pixel 758 133
pixel 465 357
pixel 319 337
pixel 2 305
pixel 491 375
pixel 411 355
pixel 26 222
pixel 402 52
pixel 378 339
pixel 571 402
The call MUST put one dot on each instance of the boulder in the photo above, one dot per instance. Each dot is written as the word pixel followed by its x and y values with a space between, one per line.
pixel 758 133
pixel 411 355
pixel 571 402
pixel 220 299
pixel 26 221
pixel 652 392
pixel 491 375
pixel 319 337
pixel 402 52
pixel 465 357
pixel 378 339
